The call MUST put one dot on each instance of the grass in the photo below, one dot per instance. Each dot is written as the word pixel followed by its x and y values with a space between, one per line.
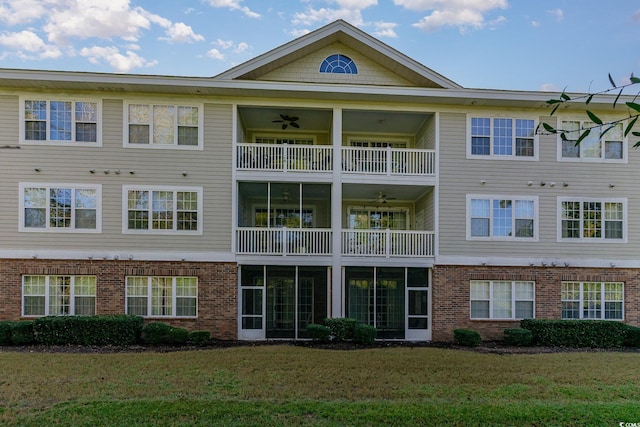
pixel 289 385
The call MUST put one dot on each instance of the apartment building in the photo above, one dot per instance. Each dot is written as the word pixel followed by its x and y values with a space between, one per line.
pixel 330 177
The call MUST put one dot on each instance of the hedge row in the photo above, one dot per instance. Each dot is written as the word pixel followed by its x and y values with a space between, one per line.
pixel 342 329
pixel 576 333
pixel 117 330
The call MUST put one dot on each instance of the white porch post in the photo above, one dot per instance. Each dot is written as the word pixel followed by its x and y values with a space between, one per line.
pixel 337 297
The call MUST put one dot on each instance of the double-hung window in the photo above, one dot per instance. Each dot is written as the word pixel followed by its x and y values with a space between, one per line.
pixel 500 299
pixel 60 121
pixel 593 300
pixel 601 145
pixel 162 296
pixel 592 219
pixel 163 126
pixel 500 137
pixel 162 210
pixel 502 217
pixel 58 295
pixel 60 207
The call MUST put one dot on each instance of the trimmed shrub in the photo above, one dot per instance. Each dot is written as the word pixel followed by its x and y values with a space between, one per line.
pixel 88 330
pixel 156 333
pixel 342 328
pixel 518 337
pixel 200 338
pixel 5 332
pixel 319 333
pixel 22 333
pixel 632 336
pixel 365 334
pixel 576 333
pixel 466 337
pixel 178 336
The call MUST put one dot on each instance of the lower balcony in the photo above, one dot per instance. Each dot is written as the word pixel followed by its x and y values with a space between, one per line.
pixel 309 241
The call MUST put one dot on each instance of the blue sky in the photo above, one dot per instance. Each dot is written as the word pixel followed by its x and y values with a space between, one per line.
pixel 493 44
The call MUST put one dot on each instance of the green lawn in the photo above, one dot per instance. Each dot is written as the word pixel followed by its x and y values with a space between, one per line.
pixel 289 385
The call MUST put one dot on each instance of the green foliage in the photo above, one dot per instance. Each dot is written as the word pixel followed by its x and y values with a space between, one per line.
pixel 518 337
pixel 22 333
pixel 319 333
pixel 342 328
pixel 5 332
pixel 88 330
pixel 466 337
pixel 178 336
pixel 632 336
pixel 156 333
pixel 576 333
pixel 200 338
pixel 365 334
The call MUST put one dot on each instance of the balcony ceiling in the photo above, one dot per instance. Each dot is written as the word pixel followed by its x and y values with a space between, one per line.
pixel 317 120
pixel 369 192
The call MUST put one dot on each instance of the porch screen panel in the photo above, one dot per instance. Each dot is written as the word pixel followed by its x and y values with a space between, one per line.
pixel 360 297
pixel 390 300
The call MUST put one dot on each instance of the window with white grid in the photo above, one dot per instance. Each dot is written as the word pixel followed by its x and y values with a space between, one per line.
pixel 58 295
pixel 502 299
pixel 161 296
pixel 163 125
pixel 593 300
pixel 60 121
pixel 501 137
pixel 592 219
pixel 502 217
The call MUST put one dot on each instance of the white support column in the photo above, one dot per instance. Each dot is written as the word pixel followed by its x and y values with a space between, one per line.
pixel 337 300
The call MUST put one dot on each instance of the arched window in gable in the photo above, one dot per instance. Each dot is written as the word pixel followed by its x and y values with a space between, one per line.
pixel 338 64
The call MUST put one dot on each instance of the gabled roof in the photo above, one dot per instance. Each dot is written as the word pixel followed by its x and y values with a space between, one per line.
pixel 345 33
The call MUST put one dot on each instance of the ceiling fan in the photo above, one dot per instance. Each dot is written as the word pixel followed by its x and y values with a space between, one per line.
pixel 382 198
pixel 287 120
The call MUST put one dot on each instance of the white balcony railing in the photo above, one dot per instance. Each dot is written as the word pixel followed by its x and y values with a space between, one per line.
pixel 388 161
pixel 388 243
pixel 283 241
pixel 284 157
pixel 317 241
pixel 319 158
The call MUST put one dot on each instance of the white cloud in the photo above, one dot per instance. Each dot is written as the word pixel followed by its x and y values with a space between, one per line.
pixel 182 33
pixel 15 12
pixel 385 29
pixel 241 47
pixel 549 87
pixel 111 54
pixel 28 45
pixel 535 24
pixel 454 13
pixel 354 4
pixel 299 33
pixel 234 5
pixel 215 54
pixel 224 44
pixel 314 16
pixel 97 18
pixel 556 13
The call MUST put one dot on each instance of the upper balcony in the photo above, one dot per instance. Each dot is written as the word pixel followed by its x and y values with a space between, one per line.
pixel 284 158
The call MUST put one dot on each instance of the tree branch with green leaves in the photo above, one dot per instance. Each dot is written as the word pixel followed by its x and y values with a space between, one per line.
pixel 604 126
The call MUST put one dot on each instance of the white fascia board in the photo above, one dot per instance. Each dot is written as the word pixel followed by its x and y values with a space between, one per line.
pixel 548 262
pixel 122 255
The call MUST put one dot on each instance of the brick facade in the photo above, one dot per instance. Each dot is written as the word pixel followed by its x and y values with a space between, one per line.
pixel 451 294
pixel 217 288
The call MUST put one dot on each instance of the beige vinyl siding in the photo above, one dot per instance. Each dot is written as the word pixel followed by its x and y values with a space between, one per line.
pixel 426 136
pixel 307 69
pixel 424 212
pixel 209 169
pixel 460 176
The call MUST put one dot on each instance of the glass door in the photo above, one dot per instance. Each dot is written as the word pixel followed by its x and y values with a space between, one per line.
pixel 418 304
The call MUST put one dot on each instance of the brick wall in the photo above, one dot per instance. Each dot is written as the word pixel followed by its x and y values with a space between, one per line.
pixel 217 288
pixel 451 299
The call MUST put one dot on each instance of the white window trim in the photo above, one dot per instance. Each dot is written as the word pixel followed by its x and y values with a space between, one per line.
pixel 491 198
pixel 151 146
pixel 150 297
pixel 625 220
pixel 602 300
pixel 491 156
pixel 47 292
pixel 602 159
pixel 24 185
pixel 48 98
pixel 513 300
pixel 369 138
pixel 125 210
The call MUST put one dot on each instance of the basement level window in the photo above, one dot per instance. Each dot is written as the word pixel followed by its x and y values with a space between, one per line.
pixel 338 64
